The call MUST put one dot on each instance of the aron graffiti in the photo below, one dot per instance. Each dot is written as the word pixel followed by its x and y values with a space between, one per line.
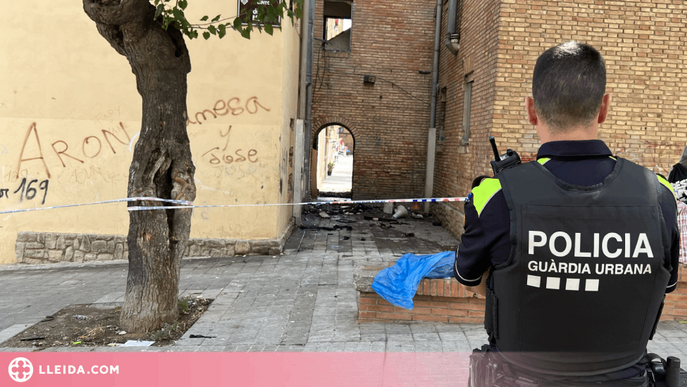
pixel 90 147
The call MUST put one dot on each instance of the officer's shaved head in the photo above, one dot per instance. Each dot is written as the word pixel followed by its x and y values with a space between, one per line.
pixel 568 85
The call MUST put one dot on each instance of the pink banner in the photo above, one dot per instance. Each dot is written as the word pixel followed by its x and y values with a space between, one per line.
pixel 234 369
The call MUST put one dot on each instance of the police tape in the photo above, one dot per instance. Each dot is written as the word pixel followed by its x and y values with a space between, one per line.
pixel 134 199
pixel 184 204
pixel 416 200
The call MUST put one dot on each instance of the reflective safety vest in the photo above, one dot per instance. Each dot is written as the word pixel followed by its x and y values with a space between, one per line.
pixel 582 289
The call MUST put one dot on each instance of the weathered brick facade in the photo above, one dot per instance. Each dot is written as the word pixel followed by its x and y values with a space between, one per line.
pixel 642 45
pixel 389 119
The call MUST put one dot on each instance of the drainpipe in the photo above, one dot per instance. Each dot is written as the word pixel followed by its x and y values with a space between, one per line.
pixel 309 91
pixel 432 135
pixel 452 37
pixel 302 141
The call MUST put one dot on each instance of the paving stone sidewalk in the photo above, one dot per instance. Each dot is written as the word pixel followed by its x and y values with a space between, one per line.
pixel 303 300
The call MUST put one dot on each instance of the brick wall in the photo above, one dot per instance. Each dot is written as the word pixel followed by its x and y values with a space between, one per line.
pixel 392 40
pixel 439 300
pixel 675 307
pixel 458 163
pixel 445 300
pixel 641 41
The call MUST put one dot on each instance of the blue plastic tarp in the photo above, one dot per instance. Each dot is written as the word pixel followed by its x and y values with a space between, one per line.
pixel 398 283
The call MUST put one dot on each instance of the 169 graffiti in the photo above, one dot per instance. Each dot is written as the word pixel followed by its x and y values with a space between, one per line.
pixel 27 190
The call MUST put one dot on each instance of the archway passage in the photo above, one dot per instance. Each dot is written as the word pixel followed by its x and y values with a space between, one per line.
pixel 332 156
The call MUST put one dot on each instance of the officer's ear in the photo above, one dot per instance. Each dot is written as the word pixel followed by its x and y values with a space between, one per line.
pixel 605 104
pixel 531 113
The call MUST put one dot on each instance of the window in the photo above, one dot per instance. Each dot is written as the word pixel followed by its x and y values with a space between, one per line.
pixel 467 101
pixel 337 25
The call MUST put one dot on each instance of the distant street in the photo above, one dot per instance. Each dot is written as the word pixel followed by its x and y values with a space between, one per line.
pixel 341 178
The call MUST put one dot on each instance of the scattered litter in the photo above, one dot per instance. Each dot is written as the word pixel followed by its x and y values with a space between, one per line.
pixel 133 343
pixel 416 216
pixel 121 333
pixel 48 318
pixel 34 338
pixel 388 208
pixel 410 234
pixel 415 207
pixel 401 212
pixel 436 223
pixel 76 342
pixel 375 219
pixel 362 239
pixel 346 238
pixel 80 317
pixel 384 226
pixel 324 215
pixel 202 337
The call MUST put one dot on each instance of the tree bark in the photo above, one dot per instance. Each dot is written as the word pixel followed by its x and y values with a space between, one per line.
pixel 162 166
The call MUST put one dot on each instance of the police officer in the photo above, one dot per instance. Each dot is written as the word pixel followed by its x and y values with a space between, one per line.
pixel 573 251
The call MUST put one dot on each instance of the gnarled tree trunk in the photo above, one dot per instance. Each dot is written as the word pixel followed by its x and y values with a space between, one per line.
pixel 161 166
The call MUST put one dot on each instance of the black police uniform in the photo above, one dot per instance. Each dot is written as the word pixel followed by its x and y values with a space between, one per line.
pixel 573 297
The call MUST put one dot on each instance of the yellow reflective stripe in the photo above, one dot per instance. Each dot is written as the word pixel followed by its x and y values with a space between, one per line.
pixel 543 160
pixel 613 158
pixel 667 185
pixel 484 192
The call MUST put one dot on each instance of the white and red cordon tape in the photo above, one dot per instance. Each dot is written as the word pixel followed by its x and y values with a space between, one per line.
pixel 181 204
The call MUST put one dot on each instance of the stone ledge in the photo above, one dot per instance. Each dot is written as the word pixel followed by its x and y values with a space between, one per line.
pixel 46 247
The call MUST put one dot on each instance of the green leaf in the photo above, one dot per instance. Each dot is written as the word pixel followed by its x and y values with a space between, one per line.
pixel 246 33
pixel 269 29
pixel 212 30
pixel 178 14
pixel 237 24
pixel 216 18
pixel 222 30
pixel 183 4
pixel 204 18
pixel 206 35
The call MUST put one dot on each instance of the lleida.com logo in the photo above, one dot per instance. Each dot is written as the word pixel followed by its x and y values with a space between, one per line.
pixel 20 369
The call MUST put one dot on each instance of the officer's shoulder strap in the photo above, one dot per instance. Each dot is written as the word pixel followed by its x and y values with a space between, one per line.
pixel 661 180
pixel 666 184
pixel 483 193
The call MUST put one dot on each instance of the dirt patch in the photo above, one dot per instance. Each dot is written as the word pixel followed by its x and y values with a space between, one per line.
pixel 90 326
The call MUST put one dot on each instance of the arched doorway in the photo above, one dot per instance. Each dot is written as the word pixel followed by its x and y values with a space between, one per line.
pixel 332 161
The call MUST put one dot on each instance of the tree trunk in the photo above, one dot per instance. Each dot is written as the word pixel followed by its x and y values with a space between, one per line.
pixel 162 166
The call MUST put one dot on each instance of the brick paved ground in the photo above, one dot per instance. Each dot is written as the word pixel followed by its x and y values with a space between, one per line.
pixel 303 300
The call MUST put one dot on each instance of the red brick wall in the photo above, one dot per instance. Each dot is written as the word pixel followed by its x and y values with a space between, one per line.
pixel 642 42
pixel 442 300
pixel 445 300
pixel 675 306
pixel 389 120
pixel 457 164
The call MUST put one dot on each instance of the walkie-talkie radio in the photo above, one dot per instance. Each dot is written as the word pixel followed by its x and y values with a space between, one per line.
pixel 507 160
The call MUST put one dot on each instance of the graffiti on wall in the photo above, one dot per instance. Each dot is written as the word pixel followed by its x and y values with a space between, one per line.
pixel 43 155
pixel 232 106
pixel 28 190
pixel 32 150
